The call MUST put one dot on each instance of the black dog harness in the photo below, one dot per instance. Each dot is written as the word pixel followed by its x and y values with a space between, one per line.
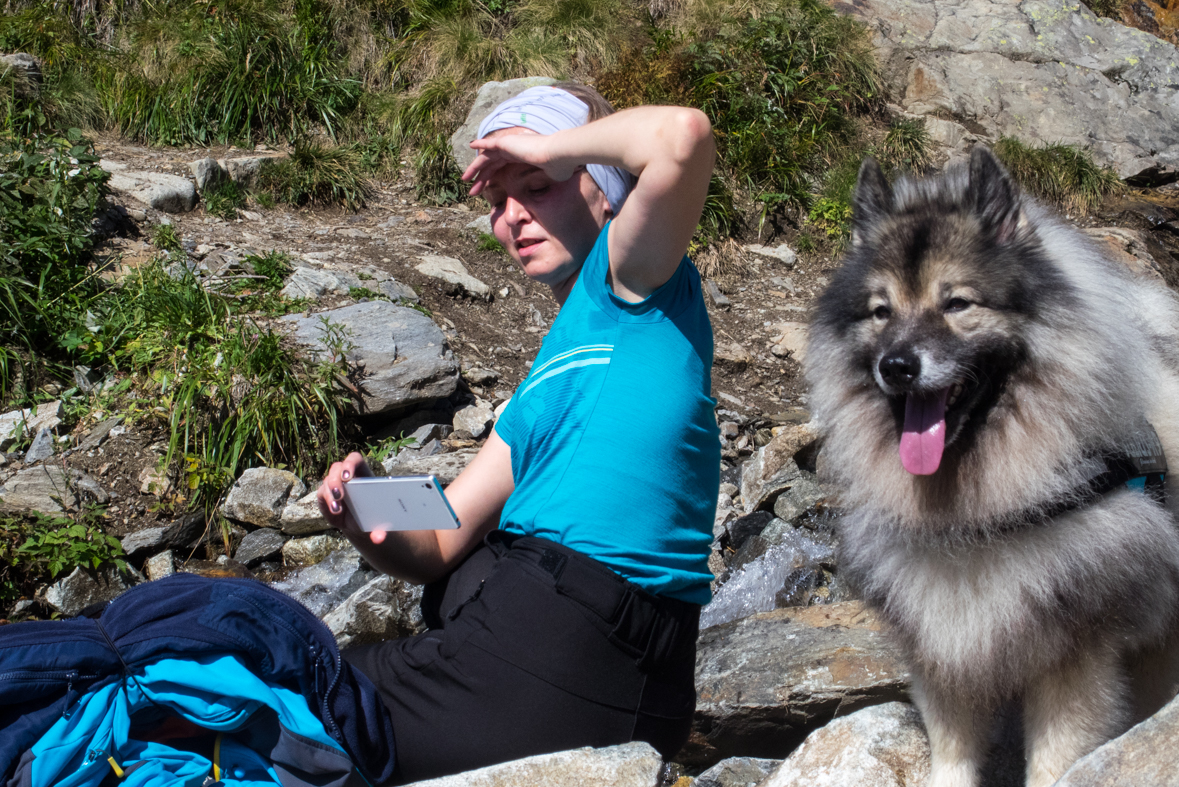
pixel 1140 465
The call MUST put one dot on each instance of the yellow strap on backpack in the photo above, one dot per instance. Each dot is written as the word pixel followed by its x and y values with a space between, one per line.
pixel 115 767
pixel 217 758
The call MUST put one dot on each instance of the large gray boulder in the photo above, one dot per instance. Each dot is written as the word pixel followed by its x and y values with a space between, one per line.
pixel 1036 70
pixel 80 589
pixel 628 765
pixel 403 353
pixel 1143 755
pixel 178 535
pixel 764 682
pixel 737 772
pixel 385 608
pixel 262 544
pixel 446 467
pixel 260 494
pixel 159 190
pixel 881 746
pixel 773 469
pixel 26 70
pixel 49 490
pixel 490 95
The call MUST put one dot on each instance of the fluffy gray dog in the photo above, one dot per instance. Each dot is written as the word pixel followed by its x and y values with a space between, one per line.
pixel 987 383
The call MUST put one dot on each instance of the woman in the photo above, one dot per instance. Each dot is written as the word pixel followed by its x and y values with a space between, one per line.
pixel 564 611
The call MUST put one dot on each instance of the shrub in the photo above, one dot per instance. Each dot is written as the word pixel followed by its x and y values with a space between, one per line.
pixel 41 548
pixel 1062 174
pixel 50 187
pixel 782 89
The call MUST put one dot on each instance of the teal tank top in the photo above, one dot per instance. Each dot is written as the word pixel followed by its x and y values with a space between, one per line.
pixel 615 447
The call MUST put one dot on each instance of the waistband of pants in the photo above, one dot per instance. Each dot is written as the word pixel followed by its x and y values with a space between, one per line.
pixel 652 628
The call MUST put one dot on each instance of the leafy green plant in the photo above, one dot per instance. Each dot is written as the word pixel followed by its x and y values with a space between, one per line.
pixel 489 243
pixel 783 89
pixel 165 238
pixel 40 548
pixel 1061 174
pixel 356 293
pixel 50 188
pixel 377 453
pixel 438 178
pixel 833 217
pixel 275 266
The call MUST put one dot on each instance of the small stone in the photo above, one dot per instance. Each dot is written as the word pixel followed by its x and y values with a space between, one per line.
pixel 880 746
pixel 716 296
pixel 791 341
pixel 481 377
pixel 41 449
pixel 396 291
pixel 782 253
pixel 729 430
pixel 474 420
pixel 259 545
pixel 311 550
pixel 455 274
pixel 383 609
pixel 82 588
pixel 737 772
pixel 310 283
pixel 445 467
pixel 47 488
pixel 17 423
pixel 99 433
pixel 154 481
pixel 86 379
pixel 143 541
pixel 731 357
pixel 207 173
pixel 160 565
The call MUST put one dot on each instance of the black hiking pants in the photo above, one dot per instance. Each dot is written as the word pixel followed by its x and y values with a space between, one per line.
pixel 534 648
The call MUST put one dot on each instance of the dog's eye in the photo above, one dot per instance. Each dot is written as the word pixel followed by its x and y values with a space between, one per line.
pixel 882 312
pixel 957 304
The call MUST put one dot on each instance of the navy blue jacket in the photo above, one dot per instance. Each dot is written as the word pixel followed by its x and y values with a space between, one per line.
pixel 45 666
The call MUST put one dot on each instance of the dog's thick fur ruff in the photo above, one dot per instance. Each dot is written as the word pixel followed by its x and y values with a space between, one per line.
pixel 1048 355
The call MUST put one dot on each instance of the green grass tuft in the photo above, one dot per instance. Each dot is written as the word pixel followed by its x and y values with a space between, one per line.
pixel 224 200
pixel 1064 175
pixel 318 174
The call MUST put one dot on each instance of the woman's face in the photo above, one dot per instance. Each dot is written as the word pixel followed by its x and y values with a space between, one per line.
pixel 547 226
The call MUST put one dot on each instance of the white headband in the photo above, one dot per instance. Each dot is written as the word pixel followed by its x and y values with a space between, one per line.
pixel 547 110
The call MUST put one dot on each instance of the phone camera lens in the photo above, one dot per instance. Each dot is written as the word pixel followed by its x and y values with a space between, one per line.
pixel 427 485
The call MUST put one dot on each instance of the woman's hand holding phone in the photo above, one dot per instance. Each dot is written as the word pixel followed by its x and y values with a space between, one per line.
pixel 331 495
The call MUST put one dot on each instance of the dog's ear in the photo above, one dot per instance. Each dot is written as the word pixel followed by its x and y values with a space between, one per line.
pixel 872 201
pixel 996 197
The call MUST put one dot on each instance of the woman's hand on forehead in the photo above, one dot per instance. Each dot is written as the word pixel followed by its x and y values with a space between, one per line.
pixel 499 150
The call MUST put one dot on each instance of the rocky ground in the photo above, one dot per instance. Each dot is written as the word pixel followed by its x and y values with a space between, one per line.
pixel 786 648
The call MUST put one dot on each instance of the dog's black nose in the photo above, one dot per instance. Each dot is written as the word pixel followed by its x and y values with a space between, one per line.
pixel 900 368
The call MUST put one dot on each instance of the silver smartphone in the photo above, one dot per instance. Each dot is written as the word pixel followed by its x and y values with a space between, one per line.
pixel 412 502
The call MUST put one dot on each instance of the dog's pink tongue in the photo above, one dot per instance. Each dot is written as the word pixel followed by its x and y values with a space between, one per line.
pixel 924 436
